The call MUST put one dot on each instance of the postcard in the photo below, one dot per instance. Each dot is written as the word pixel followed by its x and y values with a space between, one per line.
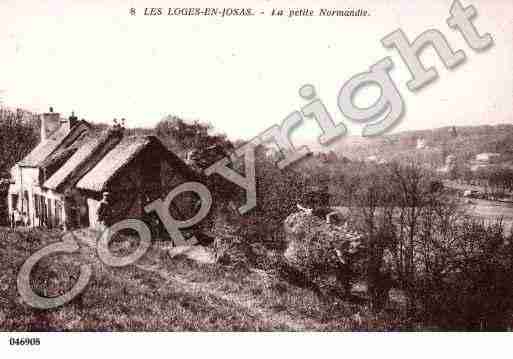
pixel 308 169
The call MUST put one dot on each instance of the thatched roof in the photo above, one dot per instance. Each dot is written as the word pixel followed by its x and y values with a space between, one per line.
pixel 62 153
pixel 56 145
pixel 60 176
pixel 129 147
pixel 88 160
pixel 44 149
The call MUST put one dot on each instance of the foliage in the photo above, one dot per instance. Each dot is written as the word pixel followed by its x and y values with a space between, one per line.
pixel 455 271
pixel 18 136
pixel 181 137
pixel 470 289
pixel 326 254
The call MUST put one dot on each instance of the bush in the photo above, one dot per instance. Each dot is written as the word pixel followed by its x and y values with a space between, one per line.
pixel 324 253
pixel 473 291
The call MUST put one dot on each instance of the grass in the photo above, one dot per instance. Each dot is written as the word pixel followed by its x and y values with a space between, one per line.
pixel 160 293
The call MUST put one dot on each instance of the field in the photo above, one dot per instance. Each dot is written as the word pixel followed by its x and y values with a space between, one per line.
pixel 486 210
pixel 163 294
pixel 491 211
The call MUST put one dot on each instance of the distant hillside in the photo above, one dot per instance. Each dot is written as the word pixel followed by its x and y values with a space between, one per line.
pixel 463 142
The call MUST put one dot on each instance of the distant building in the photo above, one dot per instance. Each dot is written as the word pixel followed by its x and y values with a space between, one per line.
pixel 485 160
pixel 476 167
pixel 450 164
pixel 421 143
pixel 372 158
pixel 488 157
pixel 375 159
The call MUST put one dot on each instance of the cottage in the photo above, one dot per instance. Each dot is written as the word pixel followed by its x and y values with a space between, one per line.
pixel 63 181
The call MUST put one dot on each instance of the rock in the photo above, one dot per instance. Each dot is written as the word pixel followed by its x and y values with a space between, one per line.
pixel 197 253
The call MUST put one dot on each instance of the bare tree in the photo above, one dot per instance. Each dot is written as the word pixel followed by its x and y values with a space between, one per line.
pixel 411 188
pixel 374 208
pixel 18 135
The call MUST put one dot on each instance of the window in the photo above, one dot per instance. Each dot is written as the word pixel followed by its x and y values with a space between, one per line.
pixel 44 210
pixel 14 201
pixel 49 211
pixel 26 205
pixel 42 206
pixel 58 213
pixel 37 206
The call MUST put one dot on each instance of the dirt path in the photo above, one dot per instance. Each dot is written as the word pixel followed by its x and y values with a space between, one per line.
pixel 246 303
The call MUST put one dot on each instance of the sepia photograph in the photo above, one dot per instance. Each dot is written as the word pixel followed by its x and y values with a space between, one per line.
pixel 328 170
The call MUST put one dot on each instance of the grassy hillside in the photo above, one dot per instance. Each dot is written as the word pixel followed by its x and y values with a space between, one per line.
pixel 160 293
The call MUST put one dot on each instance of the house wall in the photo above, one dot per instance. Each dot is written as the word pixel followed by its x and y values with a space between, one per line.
pixel 145 179
pixel 93 206
pixel 138 184
pixel 38 206
pixel 25 179
pixel 76 209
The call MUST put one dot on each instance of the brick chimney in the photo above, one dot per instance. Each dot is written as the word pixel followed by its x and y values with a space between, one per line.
pixel 49 123
pixel 70 122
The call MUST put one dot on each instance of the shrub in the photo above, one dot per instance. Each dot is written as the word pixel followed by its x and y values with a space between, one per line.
pixel 324 253
pixel 473 291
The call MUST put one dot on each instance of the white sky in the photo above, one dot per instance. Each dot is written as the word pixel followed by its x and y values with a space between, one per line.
pixel 241 74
